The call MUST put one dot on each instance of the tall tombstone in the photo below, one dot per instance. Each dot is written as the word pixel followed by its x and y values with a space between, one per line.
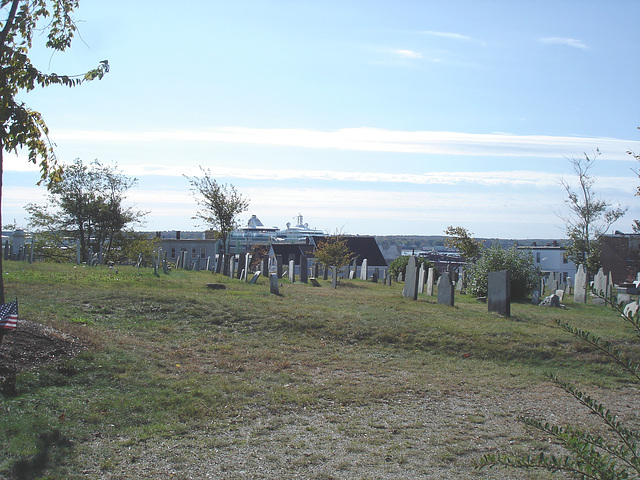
pixel 279 266
pixel 219 263
pixel 232 266
pixel 247 265
pixel 601 286
pixel 304 269
pixel 265 266
pixel 353 269
pixel 499 292
pixel 460 282
pixel 226 261
pixel 374 277
pixel 580 285
pixel 410 289
pixel 352 274
pixel 364 270
pixel 430 281
pixel 554 281
pixel 421 278
pixel 208 264
pixel 274 286
pixel 446 292
pixel 241 259
pixel 388 280
pixel 292 271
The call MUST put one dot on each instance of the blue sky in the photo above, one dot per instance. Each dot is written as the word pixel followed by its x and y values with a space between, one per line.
pixel 366 117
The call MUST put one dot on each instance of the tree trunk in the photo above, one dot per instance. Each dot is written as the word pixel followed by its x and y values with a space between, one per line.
pixel 1 256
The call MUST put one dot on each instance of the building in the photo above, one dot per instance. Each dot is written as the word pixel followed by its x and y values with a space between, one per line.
pixel 550 258
pixel 198 250
pixel 619 254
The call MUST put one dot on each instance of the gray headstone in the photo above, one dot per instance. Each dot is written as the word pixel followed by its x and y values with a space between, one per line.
pixel 247 264
pixel 460 282
pixel 279 266
pixel 265 265
pixel 314 282
pixel 255 278
pixel 274 287
pixel 560 294
pixel 389 279
pixel 304 269
pixel 400 277
pixel 374 277
pixel 352 274
pixel 535 297
pixel 551 301
pixel 624 298
pixel 446 291
pixel 601 286
pixel 421 278
pixel 430 281
pixel 580 285
pixel 499 292
pixel 410 289
pixel 232 266
pixel 241 262
pixel 292 271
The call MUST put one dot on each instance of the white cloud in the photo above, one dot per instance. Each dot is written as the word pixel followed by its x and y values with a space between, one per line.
pixel 453 36
pixel 408 54
pixel 569 42
pixel 376 140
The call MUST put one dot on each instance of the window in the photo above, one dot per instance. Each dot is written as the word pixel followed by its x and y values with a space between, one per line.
pixel 203 252
pixel 173 252
pixel 565 259
pixel 193 253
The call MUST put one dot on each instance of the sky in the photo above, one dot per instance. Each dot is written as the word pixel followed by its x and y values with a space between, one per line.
pixel 366 117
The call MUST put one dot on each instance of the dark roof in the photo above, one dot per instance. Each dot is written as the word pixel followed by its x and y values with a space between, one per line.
pixel 363 247
pixel 288 249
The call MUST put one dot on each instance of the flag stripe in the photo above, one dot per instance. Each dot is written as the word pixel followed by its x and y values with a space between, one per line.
pixel 9 315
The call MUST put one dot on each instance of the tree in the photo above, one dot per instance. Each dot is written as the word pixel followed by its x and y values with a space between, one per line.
pixel 399 265
pixel 86 204
pixel 460 238
pixel 590 217
pixel 334 252
pixel 20 126
pixel 524 274
pixel 220 203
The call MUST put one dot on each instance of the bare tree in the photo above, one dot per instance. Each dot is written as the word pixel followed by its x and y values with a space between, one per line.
pixel 590 217
pixel 220 203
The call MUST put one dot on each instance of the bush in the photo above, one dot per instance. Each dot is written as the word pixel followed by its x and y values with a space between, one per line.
pixel 524 274
pixel 399 265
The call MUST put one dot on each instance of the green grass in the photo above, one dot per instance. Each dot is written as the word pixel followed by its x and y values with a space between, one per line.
pixel 167 356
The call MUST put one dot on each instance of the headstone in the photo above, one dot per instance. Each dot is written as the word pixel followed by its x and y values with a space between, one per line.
pixel 273 284
pixel 400 277
pixel 232 266
pixel 460 283
pixel 208 264
pixel 551 301
pixel 631 309
pixel 265 265
pixel 389 280
pixel 601 286
pixel 292 271
pixel 352 274
pixel 445 290
pixel 535 297
pixel 364 270
pixel 226 262
pixel 374 277
pixel 580 285
pixel 609 286
pixel 499 292
pixel 567 288
pixel 421 278
pixel 410 289
pixel 314 282
pixel 255 278
pixel 279 266
pixel 624 298
pixel 560 294
pixel 247 265
pixel 219 263
pixel 304 269
pixel 542 286
pixel 241 261
pixel 430 281
pixel 552 283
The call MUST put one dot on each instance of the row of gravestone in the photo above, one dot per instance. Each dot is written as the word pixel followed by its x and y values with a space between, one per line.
pixel 499 291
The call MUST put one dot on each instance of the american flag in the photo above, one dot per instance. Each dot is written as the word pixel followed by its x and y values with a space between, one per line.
pixel 9 315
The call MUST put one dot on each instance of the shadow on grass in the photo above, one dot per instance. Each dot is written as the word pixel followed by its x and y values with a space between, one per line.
pixel 34 466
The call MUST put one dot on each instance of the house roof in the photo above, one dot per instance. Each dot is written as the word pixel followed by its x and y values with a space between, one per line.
pixel 362 247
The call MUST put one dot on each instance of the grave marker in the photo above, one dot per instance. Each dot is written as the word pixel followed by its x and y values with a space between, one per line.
pixel 445 290
pixel 580 285
pixel 410 289
pixel 273 284
pixel 430 281
pixel 499 292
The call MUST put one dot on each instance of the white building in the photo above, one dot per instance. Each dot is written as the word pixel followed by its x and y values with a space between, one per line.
pixel 550 258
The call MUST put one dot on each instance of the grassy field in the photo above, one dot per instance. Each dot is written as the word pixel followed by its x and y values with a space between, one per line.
pixel 181 381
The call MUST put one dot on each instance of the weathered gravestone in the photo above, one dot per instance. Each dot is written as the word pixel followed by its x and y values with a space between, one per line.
pixel 364 270
pixel 631 309
pixel 265 266
pixel 374 277
pixel 247 265
pixel 421 278
pixel 304 269
pixel 499 292
pixel 274 286
pixel 279 266
pixel 232 266
pixel 535 297
pixel 226 262
pixel 430 281
pixel 461 281
pixel 552 283
pixel 352 274
pixel 560 294
pixel 388 280
pixel 445 290
pixel 314 282
pixel 551 301
pixel 255 278
pixel 410 289
pixel 241 262
pixel 623 298
pixel 601 287
pixel 580 285
pixel 292 271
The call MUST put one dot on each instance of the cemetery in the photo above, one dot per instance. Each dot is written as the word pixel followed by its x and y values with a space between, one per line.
pixel 283 366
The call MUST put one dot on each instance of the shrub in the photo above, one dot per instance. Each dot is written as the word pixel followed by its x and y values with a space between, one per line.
pixel 399 265
pixel 524 274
